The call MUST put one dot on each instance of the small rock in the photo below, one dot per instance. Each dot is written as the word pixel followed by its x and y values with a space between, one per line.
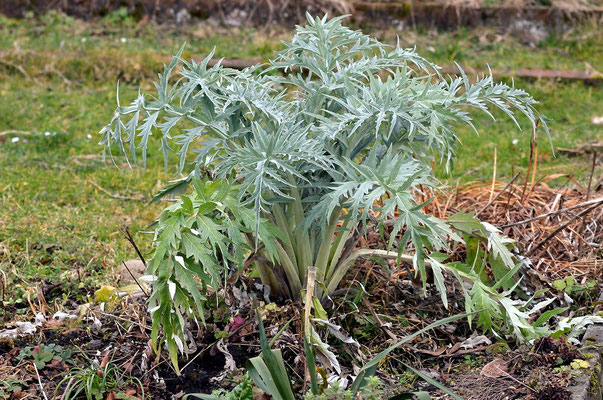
pixel 135 266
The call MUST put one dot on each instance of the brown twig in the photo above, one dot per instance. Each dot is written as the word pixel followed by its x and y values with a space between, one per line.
pixel 586 203
pixel 498 194
pixel 40 381
pixel 126 231
pixel 560 228
pixel 18 68
pixel 525 184
pixel 115 196
pixel 534 169
pixel 592 171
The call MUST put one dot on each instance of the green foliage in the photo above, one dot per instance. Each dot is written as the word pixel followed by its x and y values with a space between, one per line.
pixel 43 354
pixel 571 287
pixel 95 382
pixel 198 238
pixel 303 163
pixel 243 391
pixel 269 373
pixel 372 391
pixel 10 385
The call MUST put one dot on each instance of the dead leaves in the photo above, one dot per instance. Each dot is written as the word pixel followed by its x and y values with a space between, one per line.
pixel 495 369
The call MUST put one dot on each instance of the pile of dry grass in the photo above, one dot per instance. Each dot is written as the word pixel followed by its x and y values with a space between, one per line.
pixel 559 228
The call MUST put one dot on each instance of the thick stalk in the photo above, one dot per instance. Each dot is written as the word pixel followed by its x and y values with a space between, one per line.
pixel 267 276
pixel 336 250
pixel 264 271
pixel 304 249
pixel 322 258
pixel 281 222
pixel 348 263
pixel 290 271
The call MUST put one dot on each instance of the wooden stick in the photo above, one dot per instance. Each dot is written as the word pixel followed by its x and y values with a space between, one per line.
pixel 135 280
pixel 493 177
pixel 534 169
pixel 308 305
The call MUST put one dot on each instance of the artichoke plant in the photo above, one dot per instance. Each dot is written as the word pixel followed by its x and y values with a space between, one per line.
pixel 293 161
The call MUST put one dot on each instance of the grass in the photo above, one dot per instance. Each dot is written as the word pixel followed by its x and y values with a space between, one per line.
pixel 61 207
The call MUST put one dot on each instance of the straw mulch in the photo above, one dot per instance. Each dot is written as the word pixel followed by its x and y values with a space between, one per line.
pixel 560 229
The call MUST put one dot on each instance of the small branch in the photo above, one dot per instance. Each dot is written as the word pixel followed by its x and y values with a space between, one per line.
pixel 380 323
pixel 592 171
pixel 126 231
pixel 63 396
pixel 18 68
pixel 114 196
pixel 308 302
pixel 498 194
pixel 560 228
pixel 586 203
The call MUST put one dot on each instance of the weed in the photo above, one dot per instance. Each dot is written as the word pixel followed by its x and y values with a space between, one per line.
pixel 43 354
pixel 574 289
pixel 10 385
pixel 97 381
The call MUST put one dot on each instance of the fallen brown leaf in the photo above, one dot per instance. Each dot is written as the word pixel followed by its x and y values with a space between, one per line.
pixel 495 369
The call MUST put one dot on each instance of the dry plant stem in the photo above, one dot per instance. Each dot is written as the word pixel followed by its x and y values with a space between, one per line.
pixel 380 323
pixel 114 196
pixel 525 184
pixel 493 176
pixel 498 194
pixel 40 382
pixel 20 69
pixel 308 301
pixel 126 231
pixel 560 228
pixel 311 280
pixel 584 204
pixel 590 178
pixel 4 283
pixel 66 388
pixel 534 168
pixel 197 355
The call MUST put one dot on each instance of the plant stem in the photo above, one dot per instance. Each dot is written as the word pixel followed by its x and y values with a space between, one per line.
pixel 348 263
pixel 290 270
pixel 322 259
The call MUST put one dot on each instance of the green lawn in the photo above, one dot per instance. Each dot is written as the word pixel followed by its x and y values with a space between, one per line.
pixel 61 207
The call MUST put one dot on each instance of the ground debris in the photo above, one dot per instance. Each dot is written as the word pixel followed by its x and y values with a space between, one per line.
pixel 530 213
